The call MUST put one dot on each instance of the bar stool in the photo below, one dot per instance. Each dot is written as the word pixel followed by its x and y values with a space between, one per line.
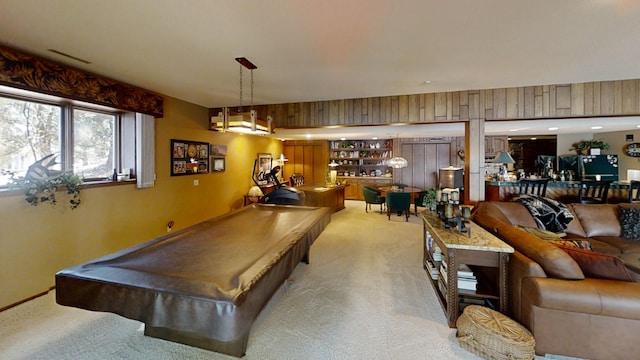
pixel 634 191
pixel 593 191
pixel 534 186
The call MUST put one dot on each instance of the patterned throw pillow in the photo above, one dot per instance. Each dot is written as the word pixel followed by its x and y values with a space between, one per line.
pixel 557 238
pixel 630 223
pixel 542 233
pixel 577 243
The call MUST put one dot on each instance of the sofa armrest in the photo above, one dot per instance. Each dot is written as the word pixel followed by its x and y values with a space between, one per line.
pixel 612 298
pixel 520 268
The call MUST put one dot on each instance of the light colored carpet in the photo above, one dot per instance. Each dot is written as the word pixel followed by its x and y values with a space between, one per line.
pixel 364 296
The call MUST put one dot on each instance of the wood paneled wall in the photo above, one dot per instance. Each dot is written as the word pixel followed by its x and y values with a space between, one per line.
pixel 309 158
pixel 603 98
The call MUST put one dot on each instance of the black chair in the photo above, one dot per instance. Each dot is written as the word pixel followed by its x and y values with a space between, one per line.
pixel 593 191
pixel 372 196
pixel 400 202
pixel 534 187
pixel 634 191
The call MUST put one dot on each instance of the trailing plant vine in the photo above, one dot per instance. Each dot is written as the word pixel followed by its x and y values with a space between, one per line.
pixel 44 190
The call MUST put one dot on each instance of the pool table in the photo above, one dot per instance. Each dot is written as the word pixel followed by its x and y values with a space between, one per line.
pixel 204 285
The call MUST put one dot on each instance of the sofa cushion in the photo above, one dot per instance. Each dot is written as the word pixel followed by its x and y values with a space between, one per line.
pixel 515 213
pixel 598 219
pixel 630 223
pixel 632 262
pixel 555 262
pixel 606 245
pixel 574 227
pixel 488 209
pixel 597 265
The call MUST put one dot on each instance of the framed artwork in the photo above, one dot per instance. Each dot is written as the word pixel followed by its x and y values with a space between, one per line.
pixel 263 168
pixel 264 162
pixel 218 150
pixel 217 164
pixel 189 157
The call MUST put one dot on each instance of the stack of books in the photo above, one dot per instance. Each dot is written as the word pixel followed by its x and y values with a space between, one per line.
pixel 466 279
pixel 433 269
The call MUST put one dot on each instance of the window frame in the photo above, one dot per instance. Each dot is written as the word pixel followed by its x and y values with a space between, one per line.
pixel 124 136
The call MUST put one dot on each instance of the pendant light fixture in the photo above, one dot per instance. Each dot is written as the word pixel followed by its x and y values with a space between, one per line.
pixel 397 162
pixel 241 121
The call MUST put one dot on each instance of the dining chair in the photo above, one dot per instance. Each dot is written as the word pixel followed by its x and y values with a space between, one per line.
pixel 593 191
pixel 634 191
pixel 372 196
pixel 534 186
pixel 400 202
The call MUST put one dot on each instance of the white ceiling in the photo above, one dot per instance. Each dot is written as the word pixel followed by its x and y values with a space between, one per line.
pixel 331 49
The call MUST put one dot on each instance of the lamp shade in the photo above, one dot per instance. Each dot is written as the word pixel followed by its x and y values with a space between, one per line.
pixel 503 157
pixel 451 177
pixel 255 191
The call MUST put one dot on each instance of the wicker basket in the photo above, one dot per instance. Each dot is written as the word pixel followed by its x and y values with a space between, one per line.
pixel 492 335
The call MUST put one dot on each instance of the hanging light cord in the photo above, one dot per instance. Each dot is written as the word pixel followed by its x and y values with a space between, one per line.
pixel 240 108
pixel 251 89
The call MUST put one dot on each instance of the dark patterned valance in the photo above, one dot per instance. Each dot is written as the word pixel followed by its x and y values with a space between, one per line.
pixel 28 72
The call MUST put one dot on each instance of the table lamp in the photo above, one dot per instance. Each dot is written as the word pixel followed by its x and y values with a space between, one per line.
pixel 451 177
pixel 503 158
pixel 333 173
pixel 254 193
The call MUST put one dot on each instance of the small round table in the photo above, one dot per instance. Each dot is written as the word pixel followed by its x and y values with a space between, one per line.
pixel 415 194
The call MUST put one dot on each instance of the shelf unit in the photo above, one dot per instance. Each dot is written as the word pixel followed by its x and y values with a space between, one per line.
pixel 485 254
pixel 361 157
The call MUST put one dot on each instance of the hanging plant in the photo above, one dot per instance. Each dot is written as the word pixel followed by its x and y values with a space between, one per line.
pixel 44 190
pixel 41 183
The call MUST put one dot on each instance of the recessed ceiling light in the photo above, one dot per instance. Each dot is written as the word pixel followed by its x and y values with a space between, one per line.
pixel 513 130
pixel 553 128
pixel 308 136
pixel 596 127
pixel 375 138
pixel 427 82
pixel 533 138
pixel 343 139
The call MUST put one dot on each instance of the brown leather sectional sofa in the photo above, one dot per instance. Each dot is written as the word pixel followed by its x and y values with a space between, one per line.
pixel 584 305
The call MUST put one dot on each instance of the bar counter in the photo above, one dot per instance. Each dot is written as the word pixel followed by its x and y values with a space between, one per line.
pixel 563 191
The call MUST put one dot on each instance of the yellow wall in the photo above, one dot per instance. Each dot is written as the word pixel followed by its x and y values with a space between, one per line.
pixel 35 242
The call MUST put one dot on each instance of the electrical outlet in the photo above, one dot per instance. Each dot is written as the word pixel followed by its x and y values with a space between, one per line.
pixel 196 182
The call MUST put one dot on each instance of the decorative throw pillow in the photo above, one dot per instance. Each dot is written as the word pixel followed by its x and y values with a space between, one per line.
pixel 630 223
pixel 542 233
pixel 599 265
pixel 577 243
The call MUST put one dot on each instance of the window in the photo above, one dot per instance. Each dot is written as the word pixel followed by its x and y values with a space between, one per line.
pixel 93 144
pixel 28 131
pixel 88 141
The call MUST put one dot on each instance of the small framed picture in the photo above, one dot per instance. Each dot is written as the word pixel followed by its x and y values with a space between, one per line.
pixel 218 164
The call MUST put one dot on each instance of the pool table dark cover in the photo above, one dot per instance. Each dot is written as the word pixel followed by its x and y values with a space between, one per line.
pixel 204 285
